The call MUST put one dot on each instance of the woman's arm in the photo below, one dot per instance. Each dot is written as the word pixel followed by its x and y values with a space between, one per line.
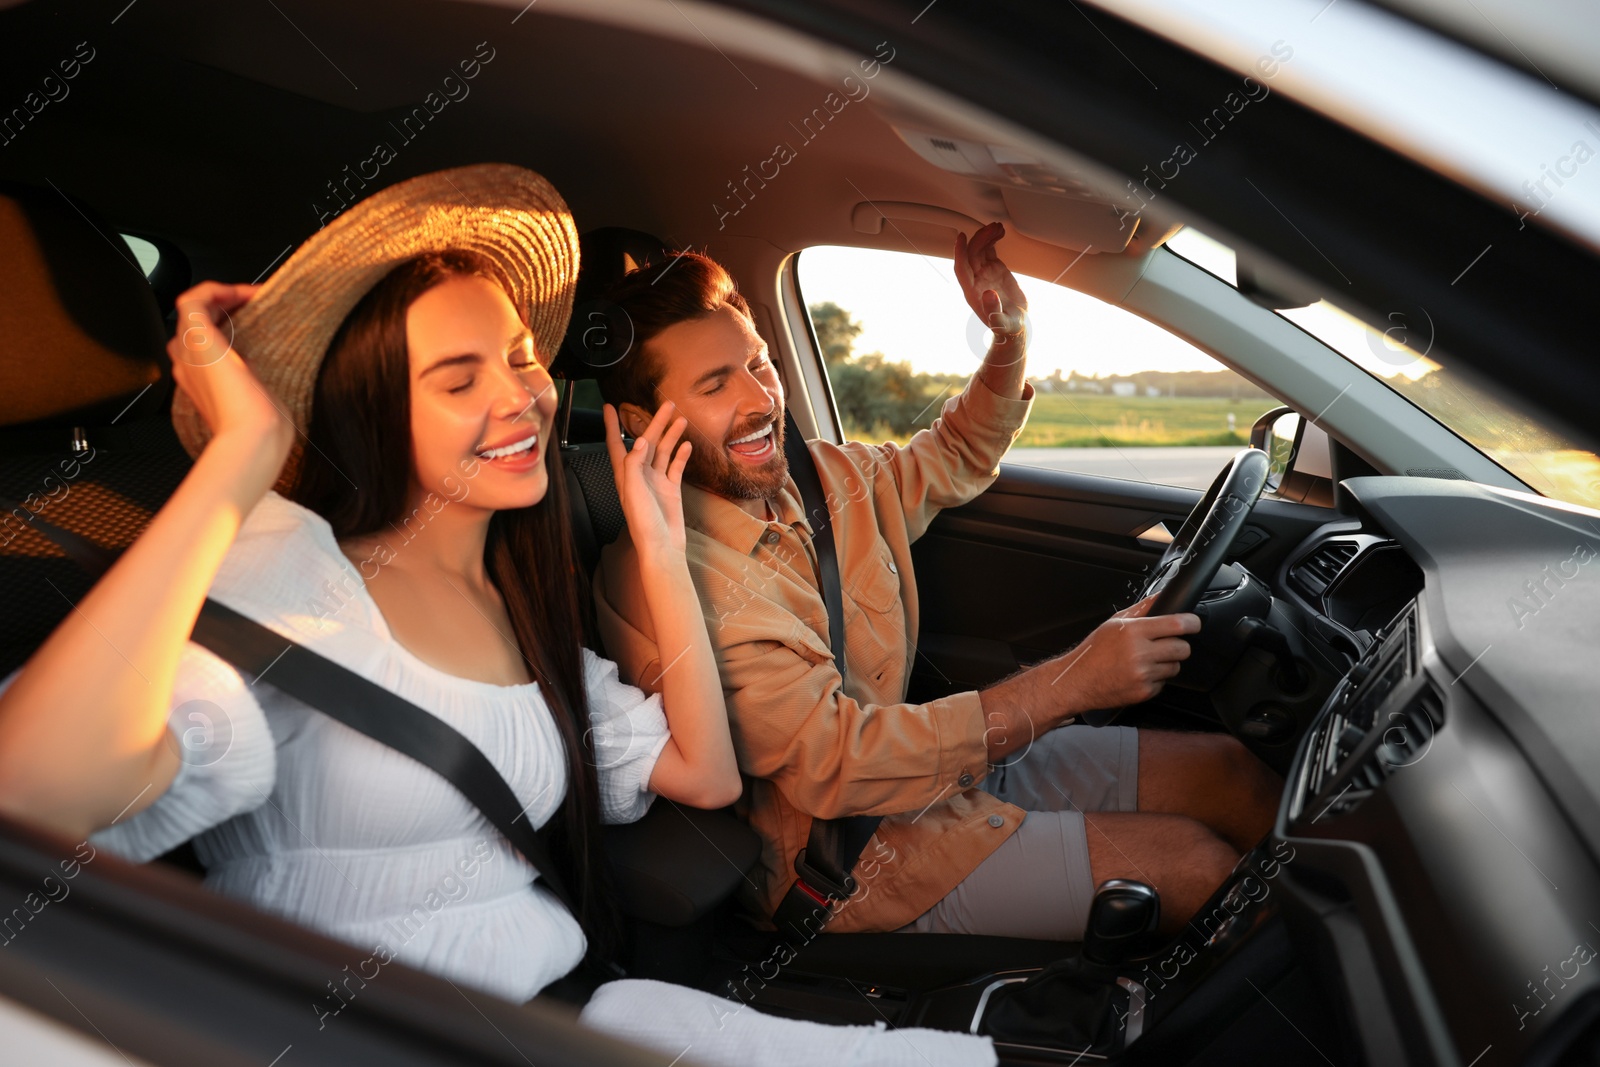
pixel 83 729
pixel 698 765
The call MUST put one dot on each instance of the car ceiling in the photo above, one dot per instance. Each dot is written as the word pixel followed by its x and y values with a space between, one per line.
pixel 245 113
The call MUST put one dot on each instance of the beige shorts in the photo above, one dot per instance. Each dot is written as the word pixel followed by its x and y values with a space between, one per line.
pixel 1038 883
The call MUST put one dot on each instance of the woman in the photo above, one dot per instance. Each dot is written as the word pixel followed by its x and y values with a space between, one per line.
pixel 397 393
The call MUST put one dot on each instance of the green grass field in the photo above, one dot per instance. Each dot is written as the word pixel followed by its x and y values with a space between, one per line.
pixel 1095 421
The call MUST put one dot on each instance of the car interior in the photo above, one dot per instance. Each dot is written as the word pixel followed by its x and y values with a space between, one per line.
pixel 1436 858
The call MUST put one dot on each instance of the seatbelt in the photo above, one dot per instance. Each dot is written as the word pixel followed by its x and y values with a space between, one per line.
pixel 803 469
pixel 386 717
pixel 347 697
pixel 822 869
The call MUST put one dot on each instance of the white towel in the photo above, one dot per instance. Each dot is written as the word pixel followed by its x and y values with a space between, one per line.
pixel 683 1023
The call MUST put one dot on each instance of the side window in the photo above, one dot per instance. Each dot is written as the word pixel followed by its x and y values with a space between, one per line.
pixel 147 255
pixel 1115 394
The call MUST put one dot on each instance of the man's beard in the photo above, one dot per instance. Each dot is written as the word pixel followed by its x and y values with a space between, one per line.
pixel 711 468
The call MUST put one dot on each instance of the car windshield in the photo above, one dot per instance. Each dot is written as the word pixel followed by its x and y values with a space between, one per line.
pixel 1513 437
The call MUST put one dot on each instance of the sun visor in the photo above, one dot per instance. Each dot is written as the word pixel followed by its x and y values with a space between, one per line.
pixel 1082 225
pixel 1047 201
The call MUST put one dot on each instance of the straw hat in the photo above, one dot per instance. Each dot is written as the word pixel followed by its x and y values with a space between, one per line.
pixel 508 213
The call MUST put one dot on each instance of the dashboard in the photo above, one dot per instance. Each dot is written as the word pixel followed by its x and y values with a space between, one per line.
pixel 1272 654
pixel 1441 804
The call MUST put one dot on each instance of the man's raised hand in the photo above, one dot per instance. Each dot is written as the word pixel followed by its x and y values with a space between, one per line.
pixel 991 289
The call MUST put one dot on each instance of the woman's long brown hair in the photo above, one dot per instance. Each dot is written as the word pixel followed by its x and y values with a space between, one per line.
pixel 351 475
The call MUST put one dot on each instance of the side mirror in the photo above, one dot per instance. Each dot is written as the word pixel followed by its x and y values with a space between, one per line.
pixel 1277 433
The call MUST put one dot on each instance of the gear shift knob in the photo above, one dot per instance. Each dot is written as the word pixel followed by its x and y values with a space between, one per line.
pixel 1122 917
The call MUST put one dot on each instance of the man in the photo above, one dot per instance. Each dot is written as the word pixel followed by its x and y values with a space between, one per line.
pixel 983 797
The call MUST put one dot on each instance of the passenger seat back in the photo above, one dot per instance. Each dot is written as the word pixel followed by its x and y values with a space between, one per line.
pixel 605 255
pixel 85 442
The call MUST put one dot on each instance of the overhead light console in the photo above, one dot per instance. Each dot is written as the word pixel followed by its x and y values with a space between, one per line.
pixel 1045 200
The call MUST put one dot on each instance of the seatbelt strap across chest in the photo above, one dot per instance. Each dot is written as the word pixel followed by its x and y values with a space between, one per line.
pixel 355 701
pixel 822 869
pixel 803 469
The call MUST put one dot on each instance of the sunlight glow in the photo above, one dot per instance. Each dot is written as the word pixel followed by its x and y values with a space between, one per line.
pixel 923 319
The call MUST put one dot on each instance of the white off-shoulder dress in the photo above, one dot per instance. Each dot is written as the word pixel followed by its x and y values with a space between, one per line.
pixel 304 817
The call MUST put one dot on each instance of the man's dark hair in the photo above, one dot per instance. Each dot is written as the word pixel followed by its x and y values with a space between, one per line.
pixel 680 287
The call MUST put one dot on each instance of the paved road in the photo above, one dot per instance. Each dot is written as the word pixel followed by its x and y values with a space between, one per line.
pixel 1191 467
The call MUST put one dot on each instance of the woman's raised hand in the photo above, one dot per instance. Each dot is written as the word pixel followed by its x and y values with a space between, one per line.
pixel 209 369
pixel 650 478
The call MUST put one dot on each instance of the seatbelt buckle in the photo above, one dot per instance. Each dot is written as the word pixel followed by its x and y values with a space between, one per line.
pixel 820 886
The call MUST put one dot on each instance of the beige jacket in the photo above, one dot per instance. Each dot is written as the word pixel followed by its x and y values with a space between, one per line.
pixel 811 744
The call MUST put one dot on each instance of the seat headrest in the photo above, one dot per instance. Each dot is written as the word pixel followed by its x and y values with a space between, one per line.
pixel 79 325
pixel 604 256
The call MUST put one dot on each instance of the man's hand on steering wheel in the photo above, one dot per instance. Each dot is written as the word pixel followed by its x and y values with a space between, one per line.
pixel 1127 659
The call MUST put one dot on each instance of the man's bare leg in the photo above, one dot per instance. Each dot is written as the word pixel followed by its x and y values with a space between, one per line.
pixel 1209 777
pixel 1183 860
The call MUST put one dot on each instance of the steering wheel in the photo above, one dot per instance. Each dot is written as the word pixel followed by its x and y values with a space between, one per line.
pixel 1198 548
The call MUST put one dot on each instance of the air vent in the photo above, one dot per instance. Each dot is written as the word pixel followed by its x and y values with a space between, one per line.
pixel 1319 570
pixel 1407 734
pixel 1359 743
pixel 1402 740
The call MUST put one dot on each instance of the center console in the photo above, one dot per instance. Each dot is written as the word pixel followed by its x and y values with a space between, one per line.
pixel 1379 718
pixel 1081 1010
